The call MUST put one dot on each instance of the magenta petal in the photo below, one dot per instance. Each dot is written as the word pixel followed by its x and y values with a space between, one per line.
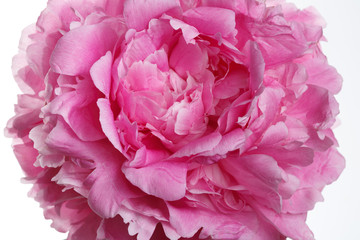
pixel 77 50
pixel 114 229
pixel 156 179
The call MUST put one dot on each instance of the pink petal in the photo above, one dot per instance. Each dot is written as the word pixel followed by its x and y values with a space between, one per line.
pixel 108 123
pixel 190 117
pixel 291 225
pixel 315 106
pixel 323 75
pixel 187 221
pixel 274 134
pixel 212 20
pixel 145 156
pixel 79 49
pixel 234 140
pixel 80 113
pixel 145 76
pixel 160 32
pixel 101 73
pixel 159 58
pixel 219 3
pixel 108 186
pixel 200 145
pixel 138 13
pixel 255 64
pixel 139 224
pixel 26 77
pixel 325 169
pixel 166 180
pixel 188 58
pixel 26 156
pixel 231 85
pixel 64 140
pixel 72 176
pixel 189 32
pixel 138 48
pixel 47 156
pixel 259 174
pixel 302 201
pixel 279 42
pixel 298 156
pixel 114 229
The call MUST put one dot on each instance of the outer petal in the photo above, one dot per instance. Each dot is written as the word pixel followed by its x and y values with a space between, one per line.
pixel 26 156
pixel 80 112
pixel 25 76
pixel 303 200
pixel 77 50
pixel 316 107
pixel 114 229
pixel 291 225
pixel 323 75
pixel 109 187
pixel 187 221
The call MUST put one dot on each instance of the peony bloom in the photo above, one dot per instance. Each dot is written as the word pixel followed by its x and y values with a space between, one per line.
pixel 173 119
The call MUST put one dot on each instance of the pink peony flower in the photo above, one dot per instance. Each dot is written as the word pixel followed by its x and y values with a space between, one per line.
pixel 170 119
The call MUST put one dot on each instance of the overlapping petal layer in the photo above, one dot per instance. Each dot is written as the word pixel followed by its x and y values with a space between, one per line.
pixel 181 119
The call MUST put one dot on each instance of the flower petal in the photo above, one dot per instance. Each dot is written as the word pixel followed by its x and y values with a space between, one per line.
pixel 79 49
pixel 212 20
pixel 156 179
pixel 101 73
pixel 138 13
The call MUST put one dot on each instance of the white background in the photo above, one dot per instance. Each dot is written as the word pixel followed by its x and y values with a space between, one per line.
pixel 338 218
